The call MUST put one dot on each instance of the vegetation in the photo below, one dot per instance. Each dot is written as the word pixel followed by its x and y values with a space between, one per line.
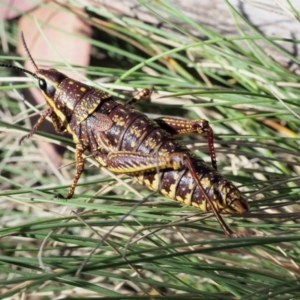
pixel 131 243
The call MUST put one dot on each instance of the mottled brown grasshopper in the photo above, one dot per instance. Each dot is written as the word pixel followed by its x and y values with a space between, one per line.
pixel 126 141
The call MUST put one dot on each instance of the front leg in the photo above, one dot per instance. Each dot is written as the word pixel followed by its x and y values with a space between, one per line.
pixel 183 126
pixel 48 112
pixel 58 125
pixel 45 113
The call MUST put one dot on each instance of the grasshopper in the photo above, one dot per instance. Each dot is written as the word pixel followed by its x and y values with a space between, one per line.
pixel 126 141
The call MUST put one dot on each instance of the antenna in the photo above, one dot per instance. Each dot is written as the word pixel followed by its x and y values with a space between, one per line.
pixel 19 69
pixel 27 51
pixel 30 57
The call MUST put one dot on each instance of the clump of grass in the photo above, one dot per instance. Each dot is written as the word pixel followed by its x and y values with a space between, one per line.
pixel 161 249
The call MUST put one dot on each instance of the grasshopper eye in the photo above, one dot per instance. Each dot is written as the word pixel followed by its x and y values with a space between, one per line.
pixel 42 84
pixel 46 87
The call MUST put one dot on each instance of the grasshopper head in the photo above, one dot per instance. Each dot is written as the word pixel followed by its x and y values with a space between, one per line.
pixel 71 101
pixel 49 81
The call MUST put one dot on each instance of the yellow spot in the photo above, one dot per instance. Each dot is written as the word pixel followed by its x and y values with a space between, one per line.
pixel 170 194
pixel 151 143
pixel 147 183
pixel 176 165
pixel 134 130
pixel 71 82
pixel 164 192
pixel 201 206
pixel 119 120
pixel 69 105
pixel 180 199
pixel 173 191
pixel 188 198
pixel 205 182
pixel 155 183
pixel 132 144
pixel 83 89
pixel 164 151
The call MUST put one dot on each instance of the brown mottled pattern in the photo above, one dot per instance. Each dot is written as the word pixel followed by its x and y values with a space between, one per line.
pixel 128 142
pixel 133 131
pixel 105 126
